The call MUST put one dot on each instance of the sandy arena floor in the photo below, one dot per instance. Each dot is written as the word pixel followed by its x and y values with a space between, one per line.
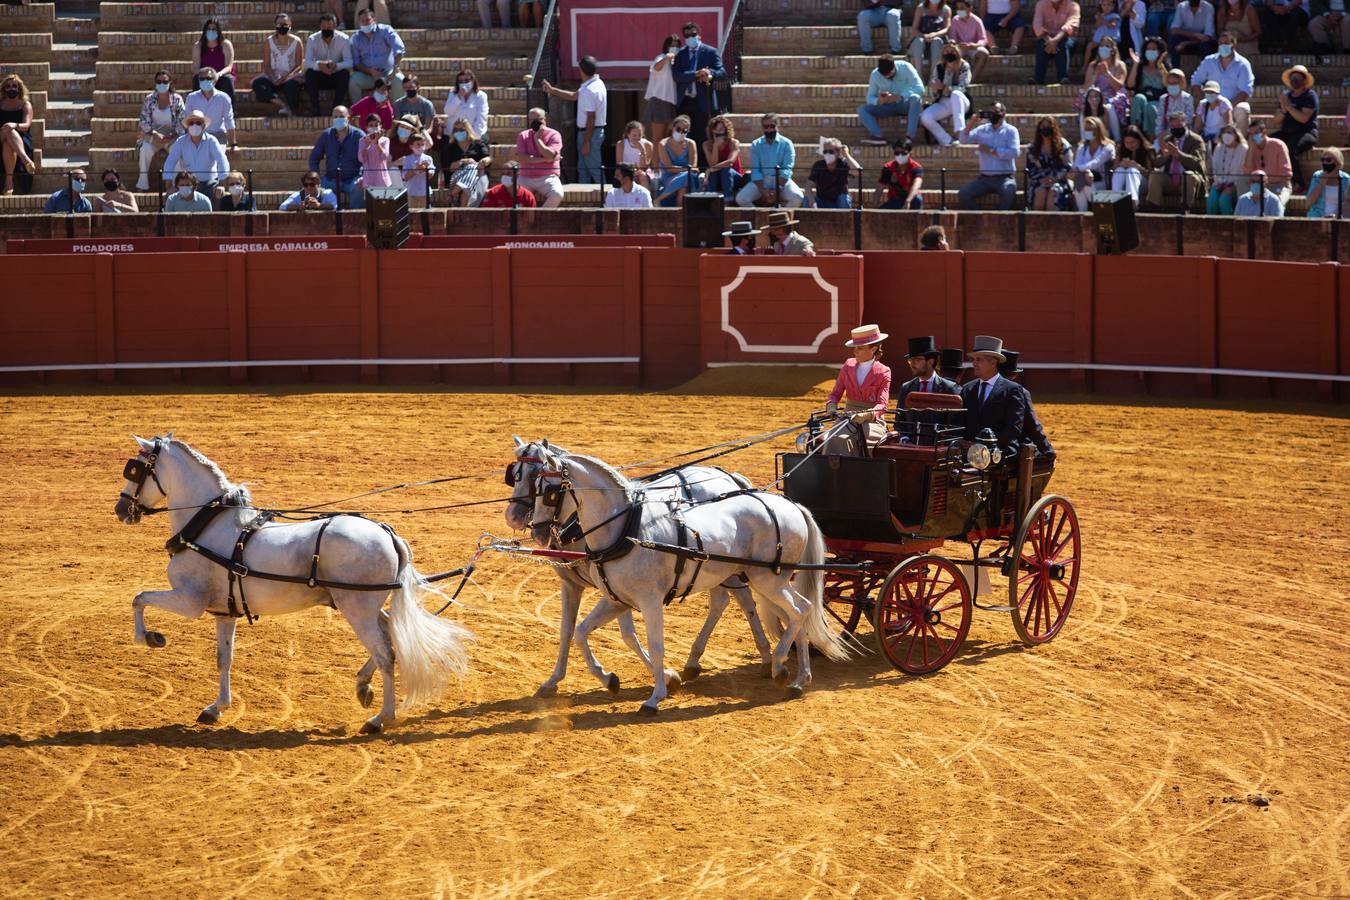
pixel 1185 735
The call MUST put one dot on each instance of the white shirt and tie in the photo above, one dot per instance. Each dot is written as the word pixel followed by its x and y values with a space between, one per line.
pixel 987 388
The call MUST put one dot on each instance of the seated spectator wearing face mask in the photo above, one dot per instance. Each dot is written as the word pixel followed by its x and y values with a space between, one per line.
pixel 1212 113
pixel 216 106
pixel 999 146
pixel 677 161
pixel 1271 157
pixel 1148 80
pixel 538 151
pixel 160 124
pixel 1259 201
pixel 115 198
pixel 772 158
pixel 1048 164
pixel 232 195
pixel 466 159
pixel 378 102
pixel 893 89
pixel 377 51
pixel 328 62
pixel 1134 164
pixel 1179 174
pixel 1327 188
pixel 373 155
pixel 1193 30
pixel 509 193
pixel 466 101
pixel 70 198
pixel 412 103
pixel 1227 170
pixel 283 69
pixel 1091 162
pixel 901 181
pixel 337 153
pixel 950 80
pixel 215 52
pixel 196 152
pixel 1296 122
pixel 628 194
pixel 186 198
pixel 1230 74
pixel 831 176
pixel 311 197
pixel 418 170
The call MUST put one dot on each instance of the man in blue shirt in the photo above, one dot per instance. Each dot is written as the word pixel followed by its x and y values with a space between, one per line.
pixel 771 160
pixel 310 197
pixel 893 89
pixel 62 202
pixel 338 146
pixel 874 14
pixel 376 52
pixel 1259 200
pixel 196 152
pixel 998 146
pixel 695 69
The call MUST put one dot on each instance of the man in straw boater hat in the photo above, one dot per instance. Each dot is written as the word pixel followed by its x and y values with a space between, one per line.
pixel 742 238
pixel 786 241
pixel 1032 432
pixel 197 152
pixel 922 358
pixel 992 401
pixel 866 382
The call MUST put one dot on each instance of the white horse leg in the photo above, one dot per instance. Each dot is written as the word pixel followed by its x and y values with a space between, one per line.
pixel 364 695
pixel 718 598
pixel 189 606
pixel 360 611
pixel 629 633
pixel 655 619
pixel 605 611
pixel 571 601
pixel 746 601
pixel 224 658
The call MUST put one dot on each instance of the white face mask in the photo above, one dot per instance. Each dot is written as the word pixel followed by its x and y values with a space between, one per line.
pixel 1258 139
pixel 236 190
pixel 830 158
pixel 902 158
pixel 507 182
pixel 1228 139
pixel 678 135
pixel 195 130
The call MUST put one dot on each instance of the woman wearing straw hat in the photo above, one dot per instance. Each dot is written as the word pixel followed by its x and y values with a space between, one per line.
pixel 866 382
pixel 1297 118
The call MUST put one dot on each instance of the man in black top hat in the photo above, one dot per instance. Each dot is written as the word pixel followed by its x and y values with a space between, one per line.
pixel 922 359
pixel 952 364
pixel 991 400
pixel 742 238
pixel 1032 432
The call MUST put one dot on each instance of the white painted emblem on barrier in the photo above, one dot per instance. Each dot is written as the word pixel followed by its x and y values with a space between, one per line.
pixel 745 272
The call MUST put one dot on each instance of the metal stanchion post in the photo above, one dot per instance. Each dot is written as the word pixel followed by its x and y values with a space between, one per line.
pixel 857 215
pixel 942 186
pixel 337 192
pixel 1261 192
pixel 70 204
pixel 248 222
pixel 777 188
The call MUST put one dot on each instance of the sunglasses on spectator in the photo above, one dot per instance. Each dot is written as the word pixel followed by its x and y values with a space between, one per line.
pixel 311 184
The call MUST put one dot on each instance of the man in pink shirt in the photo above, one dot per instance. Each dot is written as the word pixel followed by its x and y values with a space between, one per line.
pixel 538 150
pixel 968 34
pixel 1055 25
pixel 1269 156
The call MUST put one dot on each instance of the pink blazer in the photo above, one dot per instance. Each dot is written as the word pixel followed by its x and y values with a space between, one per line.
pixel 875 389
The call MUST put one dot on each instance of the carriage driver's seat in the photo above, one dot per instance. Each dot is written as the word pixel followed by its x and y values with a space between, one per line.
pixel 919 400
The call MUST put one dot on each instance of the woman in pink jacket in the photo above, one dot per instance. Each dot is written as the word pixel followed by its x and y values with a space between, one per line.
pixel 373 154
pixel 866 382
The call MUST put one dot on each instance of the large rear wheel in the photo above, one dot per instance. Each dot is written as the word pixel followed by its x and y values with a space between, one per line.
pixel 923 614
pixel 1047 551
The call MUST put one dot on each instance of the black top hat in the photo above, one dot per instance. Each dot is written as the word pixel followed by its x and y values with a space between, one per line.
pixel 952 361
pixel 1009 365
pixel 922 346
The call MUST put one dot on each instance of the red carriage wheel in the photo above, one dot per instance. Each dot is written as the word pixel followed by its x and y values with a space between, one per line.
pixel 1048 549
pixel 923 614
pixel 845 594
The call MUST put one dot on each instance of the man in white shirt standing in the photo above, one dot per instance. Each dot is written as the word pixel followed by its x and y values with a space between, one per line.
pixel 629 194
pixel 592 100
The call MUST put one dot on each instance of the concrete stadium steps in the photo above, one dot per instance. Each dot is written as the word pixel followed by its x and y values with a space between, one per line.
pixel 125 76
pixel 76 26
pixel 262 131
pixel 127 104
pixel 41 105
pixel 290 161
pixel 35 18
pixel 575 195
pixel 130 46
pixel 25 47
pixel 36 75
pixel 802 12
pixel 242 16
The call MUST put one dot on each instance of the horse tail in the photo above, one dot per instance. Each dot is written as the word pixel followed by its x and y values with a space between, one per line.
pixel 811 584
pixel 430 652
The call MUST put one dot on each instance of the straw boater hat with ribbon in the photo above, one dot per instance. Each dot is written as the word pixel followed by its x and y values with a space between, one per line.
pixel 991 345
pixel 741 229
pixel 779 218
pixel 865 336
pixel 1308 80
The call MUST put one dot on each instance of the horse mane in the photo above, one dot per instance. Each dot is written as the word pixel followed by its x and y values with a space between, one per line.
pixel 605 467
pixel 233 494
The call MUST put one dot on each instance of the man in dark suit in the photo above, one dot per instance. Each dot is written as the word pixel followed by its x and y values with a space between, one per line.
pixel 992 401
pixel 1032 432
pixel 695 69
pixel 922 359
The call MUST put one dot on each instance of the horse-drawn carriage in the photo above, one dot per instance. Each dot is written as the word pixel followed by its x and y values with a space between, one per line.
pixel 884 515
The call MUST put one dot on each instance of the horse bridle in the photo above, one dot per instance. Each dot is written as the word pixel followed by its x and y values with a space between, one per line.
pixel 515 471
pixel 551 495
pixel 137 469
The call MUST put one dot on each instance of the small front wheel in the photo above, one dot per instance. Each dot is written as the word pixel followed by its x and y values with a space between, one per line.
pixel 923 614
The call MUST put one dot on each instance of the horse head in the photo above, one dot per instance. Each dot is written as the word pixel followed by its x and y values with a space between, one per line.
pixel 522 476
pixel 143 488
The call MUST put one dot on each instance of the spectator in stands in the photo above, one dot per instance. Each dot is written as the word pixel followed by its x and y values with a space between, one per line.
pixel 1327 188
pixel 1280 22
pixel 1134 164
pixel 932 20
pixel 311 197
pixel 216 106
pixel 633 148
pixel 783 239
pixel 1107 73
pixel 998 147
pixel 1147 79
pixel 1271 157
pixel 1212 114
pixel 1228 177
pixel 16 121
pixel 592 100
pixel 772 158
pixel 503 12
pixel 722 157
pixel 660 96
pixel 947 86
pixel 1257 200
pixel 1133 15
pixel 741 237
pixel 1055 25
pixel 215 52
pixel 328 63
pixel 336 153
pixel 934 237
pixel 186 198
pixel 628 194
pixel 529 12
pixel 418 170
pixel 677 159
pixel 900 185
pixel 1232 73
pixel 70 198
pixel 968 36
pixel 401 138
pixel 1329 25
pixel 115 198
pixel 1091 162
pixel 509 193
pixel 377 102
pixel 875 14
pixel 377 51
pixel 829 177
pixel 1107 24
pixel 283 69
pixel 468 102
pixel 373 155
pixel 1094 105
pixel 160 124
pixel 893 89
pixel 1192 30
pixel 538 150
pixel 695 69
pixel 1175 100
pixel 335 13
pixel 1239 18
pixel 1003 15
pixel 196 152
pixel 1159 20
pixel 232 195
pixel 412 103
pixel 1296 122
pixel 1180 171
pixel 466 159
pixel 1049 161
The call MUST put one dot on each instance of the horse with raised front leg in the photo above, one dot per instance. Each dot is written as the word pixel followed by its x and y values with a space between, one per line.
pixel 327 562
pixel 693 482
pixel 745 526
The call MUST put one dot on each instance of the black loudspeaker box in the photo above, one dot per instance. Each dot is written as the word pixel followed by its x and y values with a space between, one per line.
pixel 387 221
pixel 703 220
pixel 1113 214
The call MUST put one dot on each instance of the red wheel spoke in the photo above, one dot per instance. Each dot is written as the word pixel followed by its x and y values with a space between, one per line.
pixel 953 605
pixel 1026 616
pixel 1063 520
pixel 932 600
pixel 1023 599
pixel 948 626
pixel 1054 597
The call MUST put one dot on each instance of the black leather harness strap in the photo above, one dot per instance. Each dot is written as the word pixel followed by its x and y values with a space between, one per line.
pixel 184 539
pixel 237 571
pixel 318 543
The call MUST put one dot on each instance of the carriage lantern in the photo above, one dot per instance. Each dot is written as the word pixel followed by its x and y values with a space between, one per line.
pixel 984 452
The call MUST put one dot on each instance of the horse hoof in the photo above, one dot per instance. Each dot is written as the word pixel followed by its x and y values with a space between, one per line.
pixel 645 710
pixel 780 677
pixel 689 673
pixel 546 690
pixel 154 639
pixel 673 681
pixel 372 728
pixel 612 683
pixel 366 694
pixel 208 717
pixel 766 670
pixel 794 692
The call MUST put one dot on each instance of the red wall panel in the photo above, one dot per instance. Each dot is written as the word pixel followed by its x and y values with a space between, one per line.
pixel 171 306
pixel 49 311
pixel 907 294
pixel 435 303
pixel 304 304
pixel 670 316
pixel 1154 310
pixel 1281 310
pixel 572 302
pixel 1034 301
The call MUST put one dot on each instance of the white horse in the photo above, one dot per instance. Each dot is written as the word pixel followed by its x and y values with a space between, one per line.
pixel 340 552
pixel 751 525
pixel 693 482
